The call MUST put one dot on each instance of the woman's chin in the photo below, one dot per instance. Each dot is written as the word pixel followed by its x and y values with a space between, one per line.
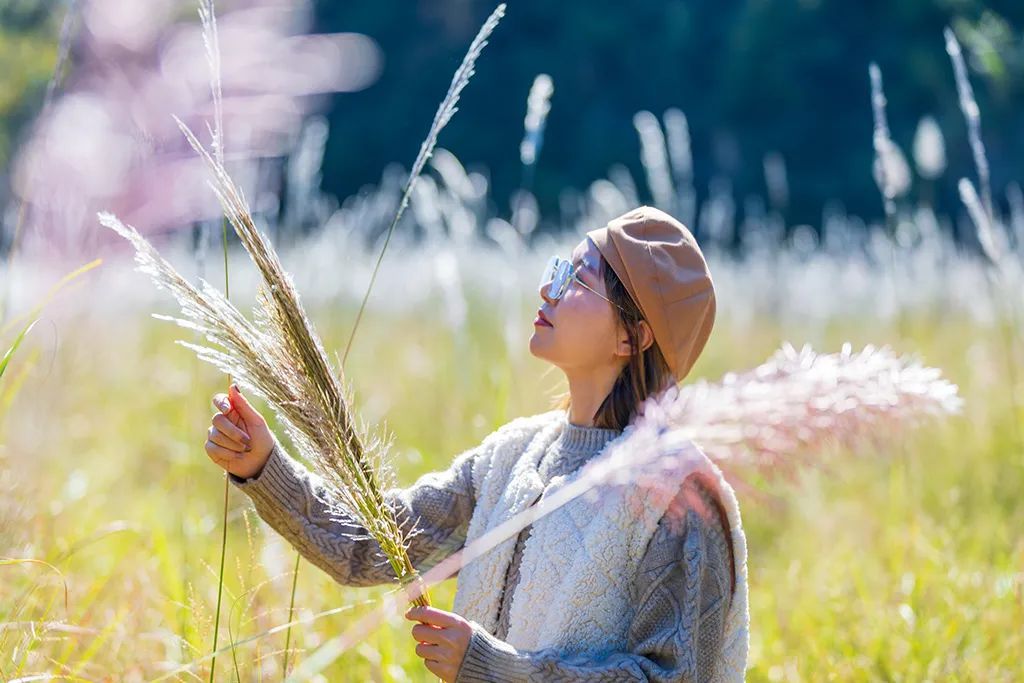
pixel 537 344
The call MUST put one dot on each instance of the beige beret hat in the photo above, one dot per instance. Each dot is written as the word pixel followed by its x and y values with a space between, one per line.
pixel 664 271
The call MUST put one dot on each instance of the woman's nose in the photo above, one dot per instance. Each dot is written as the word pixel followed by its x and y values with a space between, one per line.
pixel 544 289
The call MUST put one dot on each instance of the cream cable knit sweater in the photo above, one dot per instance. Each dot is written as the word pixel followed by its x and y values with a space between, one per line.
pixel 679 596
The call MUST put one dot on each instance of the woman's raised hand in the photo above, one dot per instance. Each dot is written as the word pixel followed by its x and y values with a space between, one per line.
pixel 239 439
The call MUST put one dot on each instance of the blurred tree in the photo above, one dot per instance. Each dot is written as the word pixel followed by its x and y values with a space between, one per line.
pixel 28 52
pixel 752 76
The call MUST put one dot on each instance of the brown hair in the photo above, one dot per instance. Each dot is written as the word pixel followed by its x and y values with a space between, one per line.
pixel 646 372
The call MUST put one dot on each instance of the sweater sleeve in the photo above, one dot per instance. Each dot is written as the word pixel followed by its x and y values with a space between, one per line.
pixel 683 592
pixel 297 504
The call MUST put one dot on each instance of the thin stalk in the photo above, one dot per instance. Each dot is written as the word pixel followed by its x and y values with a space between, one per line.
pixel 291 611
pixel 444 114
pixel 227 486
pixel 884 153
pixel 5 360
pixel 234 643
pixel 211 44
pixel 185 626
pixel 408 573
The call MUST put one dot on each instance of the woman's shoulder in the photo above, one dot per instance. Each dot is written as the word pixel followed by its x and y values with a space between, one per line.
pixel 694 520
pixel 701 500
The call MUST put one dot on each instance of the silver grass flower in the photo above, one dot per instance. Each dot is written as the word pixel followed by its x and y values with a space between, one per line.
pixel 680 154
pixel 777 417
pixel 654 157
pixel 448 108
pixel 1015 198
pixel 280 358
pixel 211 43
pixel 929 148
pixel 776 179
pixel 992 246
pixel 677 140
pixel 538 104
pixel 891 171
pixel 972 114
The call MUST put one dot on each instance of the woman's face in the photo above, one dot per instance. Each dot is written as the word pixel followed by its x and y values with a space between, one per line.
pixel 584 327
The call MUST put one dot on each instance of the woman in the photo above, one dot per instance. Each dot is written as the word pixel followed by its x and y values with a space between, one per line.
pixel 599 590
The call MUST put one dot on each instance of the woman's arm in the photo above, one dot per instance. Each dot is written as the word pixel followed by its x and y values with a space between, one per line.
pixel 683 591
pixel 295 502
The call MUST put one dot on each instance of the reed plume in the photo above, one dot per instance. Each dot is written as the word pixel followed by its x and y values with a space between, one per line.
pixel 972 114
pixel 279 356
pixel 781 414
pixel 892 174
pixel 777 418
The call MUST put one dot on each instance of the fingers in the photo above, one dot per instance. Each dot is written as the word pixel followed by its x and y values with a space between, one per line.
pixel 216 436
pixel 225 426
pixel 429 634
pixel 428 651
pixel 431 615
pixel 438 669
pixel 221 402
pixel 220 455
pixel 240 403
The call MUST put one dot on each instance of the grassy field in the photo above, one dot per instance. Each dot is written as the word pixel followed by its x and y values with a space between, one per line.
pixel 906 566
pixel 902 564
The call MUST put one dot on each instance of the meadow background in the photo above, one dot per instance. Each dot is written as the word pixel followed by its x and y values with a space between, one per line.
pixel 904 563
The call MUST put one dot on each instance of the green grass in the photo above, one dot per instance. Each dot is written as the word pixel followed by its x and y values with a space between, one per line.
pixel 903 567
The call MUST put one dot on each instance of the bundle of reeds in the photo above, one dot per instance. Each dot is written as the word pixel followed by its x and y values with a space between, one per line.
pixel 281 359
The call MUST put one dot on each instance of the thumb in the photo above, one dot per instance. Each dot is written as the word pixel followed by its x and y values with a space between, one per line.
pixel 242 405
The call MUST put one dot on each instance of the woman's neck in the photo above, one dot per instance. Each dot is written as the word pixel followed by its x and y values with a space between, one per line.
pixel 587 393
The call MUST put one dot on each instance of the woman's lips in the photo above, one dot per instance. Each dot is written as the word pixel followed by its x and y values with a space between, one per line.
pixel 539 320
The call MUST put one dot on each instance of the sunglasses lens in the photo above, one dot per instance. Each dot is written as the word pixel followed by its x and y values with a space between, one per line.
pixel 560 280
pixel 549 273
pixel 556 272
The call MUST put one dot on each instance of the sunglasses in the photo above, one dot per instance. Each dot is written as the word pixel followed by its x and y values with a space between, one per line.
pixel 561 273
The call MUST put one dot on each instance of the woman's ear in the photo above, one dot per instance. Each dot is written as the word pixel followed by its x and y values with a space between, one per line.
pixel 646 338
pixel 646 335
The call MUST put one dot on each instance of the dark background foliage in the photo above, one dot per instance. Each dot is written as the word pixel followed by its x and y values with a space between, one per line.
pixel 752 76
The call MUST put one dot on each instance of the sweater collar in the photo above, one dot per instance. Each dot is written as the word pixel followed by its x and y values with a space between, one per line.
pixel 584 440
pixel 575 445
